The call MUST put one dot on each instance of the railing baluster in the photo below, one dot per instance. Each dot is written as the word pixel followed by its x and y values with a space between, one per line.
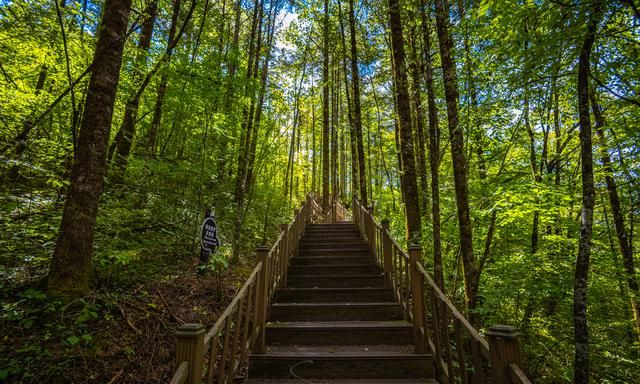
pixel 417 297
pixel 478 366
pixel 236 337
pixel 213 357
pixel 407 287
pixel 245 327
pixel 386 254
pixel 284 254
pixel 462 366
pixel 262 254
pixel 225 349
pixel 437 334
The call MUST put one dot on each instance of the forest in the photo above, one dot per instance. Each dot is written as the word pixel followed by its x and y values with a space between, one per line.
pixel 503 137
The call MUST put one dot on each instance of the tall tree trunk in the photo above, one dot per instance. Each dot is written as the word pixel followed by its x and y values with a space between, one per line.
pixel 335 122
pixel 263 90
pixel 457 152
pixel 124 140
pixel 296 123
pixel 325 109
pixel 357 114
pixel 152 138
pixel 581 332
pixel 352 130
pixel 409 182
pixel 618 216
pixel 417 106
pixel 71 264
pixel 434 150
pixel 255 48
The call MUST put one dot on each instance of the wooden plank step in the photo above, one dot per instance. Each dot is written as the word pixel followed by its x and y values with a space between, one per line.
pixel 329 260
pixel 335 281
pixel 334 251
pixel 332 245
pixel 315 235
pixel 339 333
pixel 331 225
pixel 341 362
pixel 330 242
pixel 335 311
pixel 343 381
pixel 326 295
pixel 335 269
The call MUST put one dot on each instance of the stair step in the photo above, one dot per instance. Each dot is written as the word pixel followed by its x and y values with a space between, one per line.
pixel 333 252
pixel 336 269
pixel 327 295
pixel 352 230
pixel 327 260
pixel 332 244
pixel 335 281
pixel 344 381
pixel 343 224
pixel 335 311
pixel 324 241
pixel 319 235
pixel 341 362
pixel 339 333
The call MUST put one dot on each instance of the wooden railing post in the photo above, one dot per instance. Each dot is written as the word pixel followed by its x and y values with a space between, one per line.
pixel 386 253
pixel 504 349
pixel 417 296
pixel 262 298
pixel 190 348
pixel 285 254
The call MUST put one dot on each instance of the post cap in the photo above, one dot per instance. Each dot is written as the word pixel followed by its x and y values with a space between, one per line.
pixel 190 330
pixel 503 331
pixel 262 248
pixel 415 247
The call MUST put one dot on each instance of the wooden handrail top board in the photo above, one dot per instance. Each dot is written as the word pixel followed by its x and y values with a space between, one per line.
pixel 181 374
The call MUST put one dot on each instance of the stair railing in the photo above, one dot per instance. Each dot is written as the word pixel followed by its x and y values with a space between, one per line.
pixel 221 352
pixel 460 353
pixel 336 213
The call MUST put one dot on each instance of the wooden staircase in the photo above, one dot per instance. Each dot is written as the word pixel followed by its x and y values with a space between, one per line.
pixel 335 321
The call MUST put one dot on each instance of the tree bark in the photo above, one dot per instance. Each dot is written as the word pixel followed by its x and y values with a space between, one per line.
pixel 152 141
pixel 434 150
pixel 124 140
pixel 618 216
pixel 357 114
pixel 581 332
pixel 409 182
pixel 352 130
pixel 457 152
pixel 325 109
pixel 71 264
pixel 417 106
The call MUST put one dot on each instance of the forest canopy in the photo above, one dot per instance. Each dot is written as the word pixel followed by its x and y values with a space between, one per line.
pixel 501 136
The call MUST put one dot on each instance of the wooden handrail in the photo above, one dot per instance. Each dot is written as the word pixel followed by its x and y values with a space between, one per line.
pixel 241 327
pixel 460 353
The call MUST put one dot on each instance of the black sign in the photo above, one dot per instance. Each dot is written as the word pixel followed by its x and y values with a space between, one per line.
pixel 209 235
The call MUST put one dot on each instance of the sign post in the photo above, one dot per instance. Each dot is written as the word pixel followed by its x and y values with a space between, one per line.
pixel 209 241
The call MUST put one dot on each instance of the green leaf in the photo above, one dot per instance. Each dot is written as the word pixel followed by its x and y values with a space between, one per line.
pixel 72 340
